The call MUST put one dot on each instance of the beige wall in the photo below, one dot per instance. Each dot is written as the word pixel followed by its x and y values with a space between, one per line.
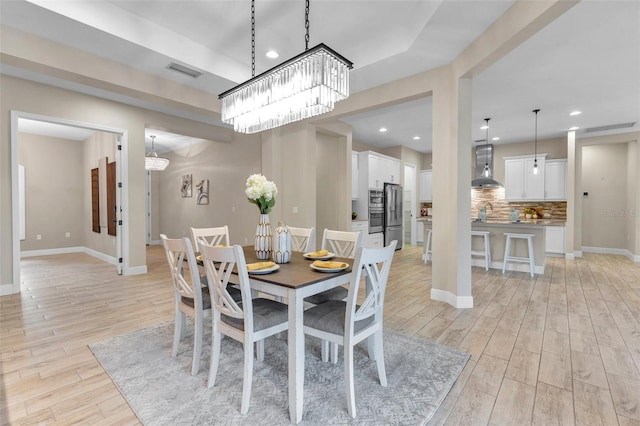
pixel 604 177
pixel 54 191
pixel 227 167
pixel 633 211
pixel 35 98
pixel 328 189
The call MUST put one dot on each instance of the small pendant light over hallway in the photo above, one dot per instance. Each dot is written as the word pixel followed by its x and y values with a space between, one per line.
pixel 535 145
pixel 306 85
pixel 152 161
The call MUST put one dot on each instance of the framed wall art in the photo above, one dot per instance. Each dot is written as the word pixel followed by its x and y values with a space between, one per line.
pixel 202 188
pixel 186 186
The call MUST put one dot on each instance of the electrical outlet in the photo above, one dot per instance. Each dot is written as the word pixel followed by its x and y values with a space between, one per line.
pixel 68 235
pixel 233 209
pixel 38 237
pixel 294 210
pixel 246 241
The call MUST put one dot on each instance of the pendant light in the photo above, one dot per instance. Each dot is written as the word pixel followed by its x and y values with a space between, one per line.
pixel 486 172
pixel 304 86
pixel 152 161
pixel 535 145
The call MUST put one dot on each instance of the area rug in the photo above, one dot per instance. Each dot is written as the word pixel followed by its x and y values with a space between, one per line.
pixel 161 390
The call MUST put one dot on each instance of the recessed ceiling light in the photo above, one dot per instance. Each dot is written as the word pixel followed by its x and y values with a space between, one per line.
pixel 484 127
pixel 575 113
pixel 416 138
pixel 495 138
pixel 573 128
pixel 272 54
pixel 383 129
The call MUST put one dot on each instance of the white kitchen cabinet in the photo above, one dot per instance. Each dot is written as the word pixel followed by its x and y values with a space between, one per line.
pixel 555 180
pixel 354 175
pixel 426 183
pixel 377 169
pixel 360 225
pixel 420 232
pixel 520 183
pixel 555 239
pixel 373 240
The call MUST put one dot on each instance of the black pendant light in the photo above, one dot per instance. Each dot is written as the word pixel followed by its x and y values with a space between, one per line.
pixel 535 145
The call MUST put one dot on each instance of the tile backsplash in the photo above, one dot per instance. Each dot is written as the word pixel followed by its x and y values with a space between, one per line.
pixel 498 207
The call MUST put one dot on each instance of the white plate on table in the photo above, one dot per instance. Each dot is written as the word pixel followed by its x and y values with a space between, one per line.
pixel 326 257
pixel 265 270
pixel 319 269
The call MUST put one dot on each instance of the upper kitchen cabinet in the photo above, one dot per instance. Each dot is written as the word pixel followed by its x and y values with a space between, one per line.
pixel 426 182
pixel 555 180
pixel 378 169
pixel 520 183
pixel 354 175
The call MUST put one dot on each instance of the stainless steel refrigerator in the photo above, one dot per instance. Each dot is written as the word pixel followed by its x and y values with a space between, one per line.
pixel 393 214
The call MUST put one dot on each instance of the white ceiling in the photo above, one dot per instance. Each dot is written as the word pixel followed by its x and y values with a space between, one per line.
pixel 588 59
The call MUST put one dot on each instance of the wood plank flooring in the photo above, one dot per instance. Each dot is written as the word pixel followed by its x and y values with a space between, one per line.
pixel 562 348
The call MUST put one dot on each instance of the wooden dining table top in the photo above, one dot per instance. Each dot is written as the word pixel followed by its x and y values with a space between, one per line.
pixel 297 272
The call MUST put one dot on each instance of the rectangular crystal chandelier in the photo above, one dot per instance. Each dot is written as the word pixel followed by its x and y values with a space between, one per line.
pixel 304 86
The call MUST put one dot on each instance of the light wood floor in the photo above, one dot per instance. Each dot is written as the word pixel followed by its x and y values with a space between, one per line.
pixel 563 348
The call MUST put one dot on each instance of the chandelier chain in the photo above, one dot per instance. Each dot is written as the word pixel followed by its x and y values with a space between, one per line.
pixel 253 38
pixel 306 26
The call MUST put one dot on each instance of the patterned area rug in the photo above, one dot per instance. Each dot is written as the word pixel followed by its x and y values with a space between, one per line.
pixel 161 390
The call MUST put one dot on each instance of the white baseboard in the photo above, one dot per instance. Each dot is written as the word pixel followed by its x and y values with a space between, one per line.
pixel 63 250
pixel 155 243
pixel 605 250
pixel 136 270
pixel 459 302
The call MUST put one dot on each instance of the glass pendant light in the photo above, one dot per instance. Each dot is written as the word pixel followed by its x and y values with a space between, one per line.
pixel 535 145
pixel 152 161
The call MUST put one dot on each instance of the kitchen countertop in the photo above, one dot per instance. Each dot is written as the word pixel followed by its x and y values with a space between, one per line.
pixel 505 222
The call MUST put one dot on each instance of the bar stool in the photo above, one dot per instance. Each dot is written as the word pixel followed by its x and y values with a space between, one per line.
pixel 508 257
pixel 427 247
pixel 486 253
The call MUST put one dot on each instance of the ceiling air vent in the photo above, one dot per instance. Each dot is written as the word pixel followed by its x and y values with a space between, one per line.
pixel 184 70
pixel 609 127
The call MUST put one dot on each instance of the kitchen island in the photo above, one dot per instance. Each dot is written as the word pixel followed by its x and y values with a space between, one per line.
pixel 498 228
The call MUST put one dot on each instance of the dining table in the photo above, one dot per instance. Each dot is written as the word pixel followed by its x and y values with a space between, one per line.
pixel 295 281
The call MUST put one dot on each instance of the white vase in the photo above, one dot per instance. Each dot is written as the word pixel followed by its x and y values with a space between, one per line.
pixel 263 238
pixel 281 244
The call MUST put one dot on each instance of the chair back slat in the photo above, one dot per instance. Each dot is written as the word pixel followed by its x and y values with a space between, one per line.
pixel 177 251
pixel 219 263
pixel 376 264
pixel 210 236
pixel 302 239
pixel 342 243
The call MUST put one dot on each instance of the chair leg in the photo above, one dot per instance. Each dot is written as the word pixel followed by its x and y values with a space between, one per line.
pixel 348 378
pixel 197 345
pixel 215 356
pixel 260 350
pixel 247 378
pixel 334 353
pixel 324 345
pixel 177 332
pixel 379 351
pixel 487 253
pixel 532 266
pixel 507 249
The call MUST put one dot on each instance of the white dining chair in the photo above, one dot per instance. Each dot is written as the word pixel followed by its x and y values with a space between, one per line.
pixel 190 298
pixel 249 321
pixel 347 324
pixel 302 239
pixel 209 236
pixel 342 244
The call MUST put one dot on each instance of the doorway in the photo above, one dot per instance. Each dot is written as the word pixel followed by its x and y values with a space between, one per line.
pixel 121 261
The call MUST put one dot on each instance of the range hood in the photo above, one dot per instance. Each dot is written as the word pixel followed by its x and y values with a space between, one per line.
pixel 484 155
